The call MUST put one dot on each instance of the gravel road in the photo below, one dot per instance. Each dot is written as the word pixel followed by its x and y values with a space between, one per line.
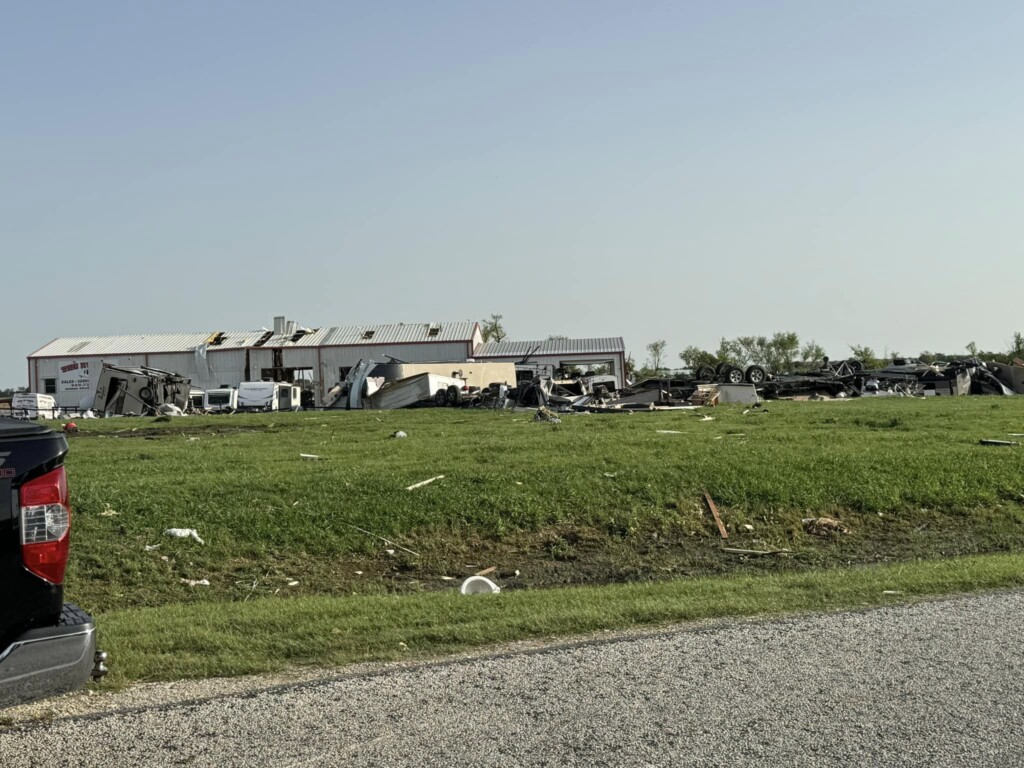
pixel 931 684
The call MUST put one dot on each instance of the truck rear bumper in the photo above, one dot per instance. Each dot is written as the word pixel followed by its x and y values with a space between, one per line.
pixel 49 660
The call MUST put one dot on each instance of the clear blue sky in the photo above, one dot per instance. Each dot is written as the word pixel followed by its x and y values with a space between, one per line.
pixel 849 171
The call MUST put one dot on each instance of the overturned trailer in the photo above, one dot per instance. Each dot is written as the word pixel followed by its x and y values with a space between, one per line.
pixel 139 391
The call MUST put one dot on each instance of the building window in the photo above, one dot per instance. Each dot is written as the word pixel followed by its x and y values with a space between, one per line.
pixel 49 386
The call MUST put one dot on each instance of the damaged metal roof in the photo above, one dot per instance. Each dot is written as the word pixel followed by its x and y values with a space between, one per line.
pixel 152 343
pixel 141 344
pixel 601 346
pixel 397 333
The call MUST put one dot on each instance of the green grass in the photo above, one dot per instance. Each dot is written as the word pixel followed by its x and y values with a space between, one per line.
pixel 599 499
pixel 266 635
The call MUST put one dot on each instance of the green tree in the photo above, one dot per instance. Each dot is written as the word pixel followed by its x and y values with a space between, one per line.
pixel 729 352
pixel 812 354
pixel 1017 347
pixel 695 357
pixel 865 354
pixel 656 351
pixel 782 351
pixel 492 329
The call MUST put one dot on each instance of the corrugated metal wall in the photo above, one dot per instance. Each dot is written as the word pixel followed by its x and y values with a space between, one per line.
pixel 227 367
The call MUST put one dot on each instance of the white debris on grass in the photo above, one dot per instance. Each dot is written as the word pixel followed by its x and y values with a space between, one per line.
pixel 414 486
pixel 479 585
pixel 196 582
pixel 184 533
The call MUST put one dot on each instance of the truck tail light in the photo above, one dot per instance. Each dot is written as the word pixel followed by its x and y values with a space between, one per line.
pixel 46 525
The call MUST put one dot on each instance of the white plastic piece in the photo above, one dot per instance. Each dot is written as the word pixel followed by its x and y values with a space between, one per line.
pixel 479 585
pixel 414 486
pixel 184 533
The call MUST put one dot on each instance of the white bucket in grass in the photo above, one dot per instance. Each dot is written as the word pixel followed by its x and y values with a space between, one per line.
pixel 478 585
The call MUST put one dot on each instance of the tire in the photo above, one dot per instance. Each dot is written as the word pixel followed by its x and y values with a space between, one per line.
pixel 705 373
pixel 756 374
pixel 855 365
pixel 440 398
pixel 146 394
pixel 734 375
pixel 722 368
pixel 453 396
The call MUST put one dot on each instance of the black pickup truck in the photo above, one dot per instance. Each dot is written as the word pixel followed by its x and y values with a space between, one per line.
pixel 47 646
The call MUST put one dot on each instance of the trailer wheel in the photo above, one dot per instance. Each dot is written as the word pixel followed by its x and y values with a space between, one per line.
pixel 756 374
pixel 734 375
pixel 855 365
pixel 146 394
pixel 705 373
pixel 453 396
pixel 722 368
pixel 440 398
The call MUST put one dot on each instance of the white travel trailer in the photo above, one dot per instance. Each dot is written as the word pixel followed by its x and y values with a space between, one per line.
pixel 219 400
pixel 269 396
pixel 30 405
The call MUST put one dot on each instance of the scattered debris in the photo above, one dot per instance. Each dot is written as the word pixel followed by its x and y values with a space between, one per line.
pixel 891 592
pixel 998 442
pixel 611 474
pixel 668 432
pixel 196 582
pixel 386 541
pixel 756 552
pixel 293 583
pixel 184 533
pixel 399 434
pixel 108 512
pixel 309 457
pixel 414 486
pixel 747 527
pixel 479 585
pixel 151 547
pixel 546 414
pixel 714 511
pixel 824 526
pixel 708 418
pixel 487 571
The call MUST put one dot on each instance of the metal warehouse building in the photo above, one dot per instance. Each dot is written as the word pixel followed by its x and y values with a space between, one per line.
pixel 609 353
pixel 68 368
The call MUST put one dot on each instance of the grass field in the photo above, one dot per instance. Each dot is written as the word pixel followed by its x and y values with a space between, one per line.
pixel 595 500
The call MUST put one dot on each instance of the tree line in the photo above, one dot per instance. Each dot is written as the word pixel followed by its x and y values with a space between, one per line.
pixel 783 352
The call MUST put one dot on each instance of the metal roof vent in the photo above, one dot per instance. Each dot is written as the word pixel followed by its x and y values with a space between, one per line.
pixel 368 334
pixel 434 330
